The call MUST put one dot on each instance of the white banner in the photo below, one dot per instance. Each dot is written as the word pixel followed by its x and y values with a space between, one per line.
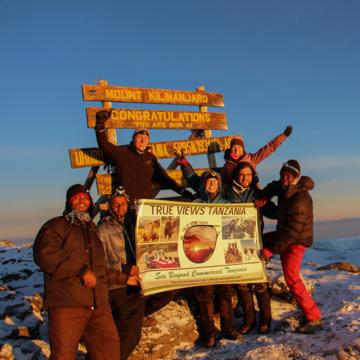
pixel 182 245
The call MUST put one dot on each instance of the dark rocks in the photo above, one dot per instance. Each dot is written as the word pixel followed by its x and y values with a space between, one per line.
pixel 345 266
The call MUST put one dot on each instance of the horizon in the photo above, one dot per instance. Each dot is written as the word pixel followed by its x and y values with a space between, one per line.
pixel 276 63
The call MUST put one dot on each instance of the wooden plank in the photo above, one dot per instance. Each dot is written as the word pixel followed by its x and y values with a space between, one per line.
pixel 104 180
pixel 85 157
pixel 160 119
pixel 151 96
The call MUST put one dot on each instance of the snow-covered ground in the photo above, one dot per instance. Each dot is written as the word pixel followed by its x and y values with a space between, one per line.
pixel 23 328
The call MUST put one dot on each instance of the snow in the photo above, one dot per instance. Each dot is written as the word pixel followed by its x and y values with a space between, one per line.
pixel 337 293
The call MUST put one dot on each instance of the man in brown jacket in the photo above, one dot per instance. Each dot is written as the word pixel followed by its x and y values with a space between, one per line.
pixel 293 235
pixel 71 256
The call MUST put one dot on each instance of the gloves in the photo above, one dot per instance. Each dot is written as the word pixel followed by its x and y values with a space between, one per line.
pixel 101 117
pixel 266 254
pixel 181 159
pixel 187 194
pixel 288 130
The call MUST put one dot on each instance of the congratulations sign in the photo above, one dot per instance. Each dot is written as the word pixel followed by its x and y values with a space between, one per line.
pixel 182 245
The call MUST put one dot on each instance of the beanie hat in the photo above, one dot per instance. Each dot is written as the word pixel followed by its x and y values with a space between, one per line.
pixel 119 191
pixel 236 141
pixel 292 166
pixel 74 190
pixel 142 131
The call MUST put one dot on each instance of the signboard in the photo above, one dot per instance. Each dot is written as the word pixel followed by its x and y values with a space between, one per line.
pixel 151 96
pixel 181 245
pixel 104 181
pixel 160 119
pixel 94 156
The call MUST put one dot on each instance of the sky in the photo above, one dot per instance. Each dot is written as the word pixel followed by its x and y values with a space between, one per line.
pixel 276 63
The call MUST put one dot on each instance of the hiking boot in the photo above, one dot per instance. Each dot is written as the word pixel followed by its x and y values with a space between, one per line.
pixel 232 335
pixel 264 328
pixel 210 342
pixel 246 328
pixel 149 321
pixel 310 327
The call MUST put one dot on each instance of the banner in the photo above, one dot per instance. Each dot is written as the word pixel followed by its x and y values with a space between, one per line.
pixel 181 245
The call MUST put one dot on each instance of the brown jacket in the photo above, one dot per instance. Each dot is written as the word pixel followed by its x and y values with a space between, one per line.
pixel 295 214
pixel 64 251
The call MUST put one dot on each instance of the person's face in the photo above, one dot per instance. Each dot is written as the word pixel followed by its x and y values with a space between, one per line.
pixel 119 206
pixel 212 186
pixel 245 177
pixel 141 142
pixel 237 151
pixel 150 228
pixel 287 178
pixel 80 202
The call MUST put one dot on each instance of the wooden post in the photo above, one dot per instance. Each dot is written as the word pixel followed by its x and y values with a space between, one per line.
pixel 207 133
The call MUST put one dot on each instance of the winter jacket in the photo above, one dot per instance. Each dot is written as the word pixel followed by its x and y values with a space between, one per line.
pixel 65 251
pixel 134 171
pixel 253 159
pixel 295 214
pixel 197 183
pixel 118 242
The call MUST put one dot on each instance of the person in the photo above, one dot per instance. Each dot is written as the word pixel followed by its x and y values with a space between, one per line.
pixel 236 154
pixel 69 252
pixel 293 235
pixel 149 233
pixel 136 167
pixel 116 234
pixel 242 191
pixel 210 192
pixel 136 170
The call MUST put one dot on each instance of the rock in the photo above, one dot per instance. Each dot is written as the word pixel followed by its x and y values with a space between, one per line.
pixel 7 243
pixel 345 266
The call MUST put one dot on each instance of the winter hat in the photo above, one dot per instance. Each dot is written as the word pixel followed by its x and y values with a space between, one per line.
pixel 119 191
pixel 74 190
pixel 292 166
pixel 142 131
pixel 236 141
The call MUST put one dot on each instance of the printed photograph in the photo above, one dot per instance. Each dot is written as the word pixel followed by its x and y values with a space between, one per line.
pixel 249 248
pixel 158 256
pixel 232 252
pixel 149 229
pixel 235 227
pixel 199 243
pixel 169 228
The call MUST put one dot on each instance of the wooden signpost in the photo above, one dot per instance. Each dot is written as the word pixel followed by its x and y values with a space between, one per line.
pixel 200 123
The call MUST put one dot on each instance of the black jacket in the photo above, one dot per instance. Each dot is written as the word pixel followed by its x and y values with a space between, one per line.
pixel 64 252
pixel 295 214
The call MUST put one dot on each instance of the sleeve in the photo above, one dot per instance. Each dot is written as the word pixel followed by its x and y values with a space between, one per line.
pixel 272 189
pixel 192 178
pixel 268 149
pixel 110 150
pixel 296 221
pixel 161 176
pixel 52 258
pixel 226 173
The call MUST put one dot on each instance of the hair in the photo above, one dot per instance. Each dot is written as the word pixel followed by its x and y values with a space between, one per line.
pixel 240 166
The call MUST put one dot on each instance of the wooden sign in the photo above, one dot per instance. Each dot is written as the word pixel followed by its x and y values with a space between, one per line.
pixel 162 150
pixel 104 181
pixel 151 96
pixel 160 119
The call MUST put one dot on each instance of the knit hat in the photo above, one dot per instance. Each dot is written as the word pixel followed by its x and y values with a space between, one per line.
pixel 236 141
pixel 74 190
pixel 292 166
pixel 142 131
pixel 119 191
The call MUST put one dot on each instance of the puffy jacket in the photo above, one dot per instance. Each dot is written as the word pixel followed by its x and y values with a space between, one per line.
pixel 295 214
pixel 134 171
pixel 65 251
pixel 252 158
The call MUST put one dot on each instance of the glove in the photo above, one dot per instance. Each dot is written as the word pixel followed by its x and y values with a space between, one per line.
pixel 101 117
pixel 288 130
pixel 181 159
pixel 266 254
pixel 187 194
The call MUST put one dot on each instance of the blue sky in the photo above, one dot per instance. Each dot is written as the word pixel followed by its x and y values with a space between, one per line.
pixel 276 62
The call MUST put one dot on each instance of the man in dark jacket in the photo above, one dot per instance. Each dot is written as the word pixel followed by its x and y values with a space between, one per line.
pixel 136 167
pixel 127 304
pixel 293 235
pixel 71 256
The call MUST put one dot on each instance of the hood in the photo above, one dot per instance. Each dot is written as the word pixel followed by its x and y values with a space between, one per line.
pixel 305 184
